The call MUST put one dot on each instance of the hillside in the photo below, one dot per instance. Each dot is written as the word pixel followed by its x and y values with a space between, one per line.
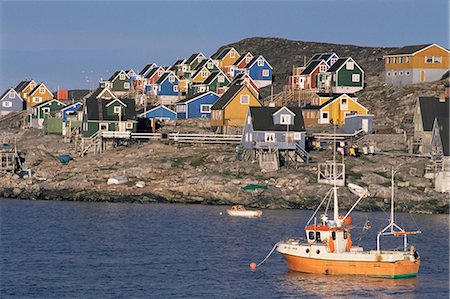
pixel 283 54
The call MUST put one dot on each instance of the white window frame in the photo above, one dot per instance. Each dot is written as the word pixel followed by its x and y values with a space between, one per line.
pixel 297 136
pixel 45 110
pixel 205 106
pixel 245 99
pixel 42 90
pixel 285 119
pixel 356 77
pixel 388 61
pixel 265 73
pixel 437 59
pixel 395 60
pixel 248 59
pixel 323 68
pixel 171 79
pixel 260 62
pixel 407 59
pixel 269 137
pixel 202 88
pixel 428 59
pixel 199 59
pixel 160 73
pixel 205 74
pixel 7 104
pixel 126 85
pixel 327 113
pixel 129 125
pixel 232 54
pixel 175 88
pixel 221 79
pixel 37 99
pixel 117 109
pixel 350 65
pixel 122 77
pixel 11 95
pixel 400 59
pixel 210 65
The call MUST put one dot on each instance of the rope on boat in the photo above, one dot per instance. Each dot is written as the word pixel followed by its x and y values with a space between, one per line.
pixel 265 259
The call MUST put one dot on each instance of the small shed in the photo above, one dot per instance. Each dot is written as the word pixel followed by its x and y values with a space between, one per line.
pixel 160 112
pixel 356 122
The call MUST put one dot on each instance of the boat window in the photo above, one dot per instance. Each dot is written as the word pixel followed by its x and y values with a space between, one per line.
pixel 318 251
pixel 311 235
pixel 333 235
pixel 318 237
pixel 345 234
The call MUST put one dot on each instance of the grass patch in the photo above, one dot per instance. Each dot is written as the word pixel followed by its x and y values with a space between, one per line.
pixel 176 162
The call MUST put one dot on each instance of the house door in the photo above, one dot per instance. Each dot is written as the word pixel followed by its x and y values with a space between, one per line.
pixel 103 127
pixel 289 137
pixel 122 126
pixel 422 76
pixel 365 125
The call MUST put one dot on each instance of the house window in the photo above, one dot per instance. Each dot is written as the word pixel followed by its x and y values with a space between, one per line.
pixel 205 108
pixel 325 115
pixel 437 59
pixel 428 59
pixel 344 101
pixel 269 137
pixel 247 60
pixel 297 136
pixel 355 78
pixel 210 65
pixel 126 85
pixel 122 77
pixel 323 68
pixel 205 74
pixel 117 109
pixel 175 88
pixel 349 65
pixel 42 90
pixel 37 99
pixel 199 59
pixel 202 88
pixel 221 79
pixel 184 68
pixel 260 62
pixel 245 99
pixel 46 111
pixel 265 73
pixel 389 60
pixel 232 54
pixel 407 59
pixel 395 60
pixel 400 60
pixel 160 73
pixel 11 95
pixel 285 119
pixel 7 104
pixel 129 125
pixel 171 79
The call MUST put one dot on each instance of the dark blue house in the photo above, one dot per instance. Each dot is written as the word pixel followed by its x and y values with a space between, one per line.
pixel 167 88
pixel 160 112
pixel 71 109
pixel 197 106
pixel 260 71
pixel 10 101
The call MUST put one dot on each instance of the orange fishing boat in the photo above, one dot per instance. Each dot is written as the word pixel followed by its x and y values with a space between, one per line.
pixel 328 248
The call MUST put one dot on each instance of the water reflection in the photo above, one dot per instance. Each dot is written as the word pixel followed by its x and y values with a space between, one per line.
pixel 328 286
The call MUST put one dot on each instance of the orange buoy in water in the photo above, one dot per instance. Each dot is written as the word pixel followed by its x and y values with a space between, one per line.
pixel 253 266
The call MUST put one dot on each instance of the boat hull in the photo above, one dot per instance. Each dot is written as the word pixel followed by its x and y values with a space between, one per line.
pixel 397 269
pixel 245 213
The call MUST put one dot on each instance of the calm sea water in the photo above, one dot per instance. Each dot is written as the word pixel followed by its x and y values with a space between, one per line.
pixel 105 250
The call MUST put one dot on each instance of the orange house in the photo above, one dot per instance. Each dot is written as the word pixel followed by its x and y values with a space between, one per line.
pixel 415 64
pixel 230 110
pixel 226 58
pixel 38 95
pixel 24 88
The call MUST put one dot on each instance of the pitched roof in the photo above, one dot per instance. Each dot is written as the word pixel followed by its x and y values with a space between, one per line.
pixel 337 65
pixel 213 76
pixel 116 74
pixel 409 49
pixel 251 62
pixel 311 67
pixel 93 105
pixel 192 58
pixel 241 58
pixel 223 53
pixel 7 91
pixel 262 118
pixel 22 85
pixel 37 87
pixel 444 132
pixel 178 62
pixel 197 95
pixel 164 76
pixel 198 71
pixel 146 68
pixel 227 96
pixel 430 108
pixel 152 72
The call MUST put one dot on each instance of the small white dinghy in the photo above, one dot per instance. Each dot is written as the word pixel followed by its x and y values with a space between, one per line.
pixel 239 210
pixel 358 190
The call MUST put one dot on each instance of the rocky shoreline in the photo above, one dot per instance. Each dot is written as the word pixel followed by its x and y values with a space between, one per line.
pixel 210 174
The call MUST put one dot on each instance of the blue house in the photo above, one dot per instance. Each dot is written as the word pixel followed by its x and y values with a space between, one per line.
pixel 71 109
pixel 274 127
pixel 167 88
pixel 260 71
pixel 197 106
pixel 160 112
pixel 10 101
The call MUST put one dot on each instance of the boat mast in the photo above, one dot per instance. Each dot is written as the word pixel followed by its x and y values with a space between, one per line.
pixel 335 199
pixel 392 200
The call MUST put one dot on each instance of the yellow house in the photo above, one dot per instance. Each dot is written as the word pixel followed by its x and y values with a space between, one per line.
pixel 183 85
pixel 201 75
pixel 415 64
pixel 39 95
pixel 227 58
pixel 231 108
pixel 332 109
pixel 24 88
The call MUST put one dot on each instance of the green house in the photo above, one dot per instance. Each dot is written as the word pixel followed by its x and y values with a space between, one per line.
pixel 345 76
pixel 49 109
pixel 106 113
pixel 216 82
pixel 118 83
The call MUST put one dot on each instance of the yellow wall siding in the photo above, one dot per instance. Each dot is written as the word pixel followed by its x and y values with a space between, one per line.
pixel 337 112
pixel 235 112
pixel 228 61
pixel 216 118
pixel 182 85
pixel 418 60
pixel 199 78
pixel 46 96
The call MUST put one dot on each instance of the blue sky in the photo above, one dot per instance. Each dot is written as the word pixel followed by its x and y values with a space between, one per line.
pixel 72 44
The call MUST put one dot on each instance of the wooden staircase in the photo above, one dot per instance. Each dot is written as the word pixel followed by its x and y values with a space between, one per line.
pixel 91 143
